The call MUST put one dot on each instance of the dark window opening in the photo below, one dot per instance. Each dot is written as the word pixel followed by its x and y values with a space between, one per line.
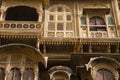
pixel 97 24
pixel 96 20
pixel 28 74
pixel 21 13
pixel 14 74
pixel 99 49
pixel 104 74
pixel 85 48
pixel 113 48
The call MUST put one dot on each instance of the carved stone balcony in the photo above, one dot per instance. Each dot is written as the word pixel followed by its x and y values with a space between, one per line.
pixel 20 27
pixel 98 34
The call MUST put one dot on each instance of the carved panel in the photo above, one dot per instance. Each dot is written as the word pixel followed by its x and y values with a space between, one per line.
pixel 69 34
pixel 51 34
pixel 60 34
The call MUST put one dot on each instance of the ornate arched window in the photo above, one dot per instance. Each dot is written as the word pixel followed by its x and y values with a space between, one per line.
pixel 60 73
pixel 21 13
pixel 97 24
pixel 96 20
pixel 104 74
pixel 28 74
pixel 60 21
pixel 14 74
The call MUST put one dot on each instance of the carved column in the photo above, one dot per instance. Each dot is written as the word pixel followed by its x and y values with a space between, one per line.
pixel 75 18
pixel 115 8
pixel 90 48
pixel 36 76
pixel 22 72
pixel 39 15
pixel 117 48
pixel 108 31
pixel 38 44
pixel 6 73
pixel 2 13
pixel 81 49
pixel 44 49
pixel 108 48
pixel 88 27
pixel 46 12
pixel 36 71
pixel 78 49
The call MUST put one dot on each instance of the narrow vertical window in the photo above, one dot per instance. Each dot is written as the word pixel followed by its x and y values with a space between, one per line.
pixel 104 74
pixel 51 26
pixel 51 17
pixel 110 21
pixel 59 26
pixel 28 74
pixel 68 26
pixel 14 74
pixel 68 17
pixel 83 20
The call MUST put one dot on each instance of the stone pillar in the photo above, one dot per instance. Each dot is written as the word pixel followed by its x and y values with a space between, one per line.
pixel 107 28
pixel 117 48
pixel 44 49
pixel 81 49
pixel 39 15
pixel 2 13
pixel 78 49
pixel 116 6
pixel 6 74
pixel 108 48
pixel 90 48
pixel 36 76
pixel 38 44
pixel 22 72
pixel 116 13
pixel 46 16
pixel 88 27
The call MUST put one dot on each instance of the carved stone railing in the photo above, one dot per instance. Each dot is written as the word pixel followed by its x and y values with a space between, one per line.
pixel 98 34
pixel 20 27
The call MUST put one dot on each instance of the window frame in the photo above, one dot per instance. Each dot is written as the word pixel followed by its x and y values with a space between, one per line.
pixel 66 12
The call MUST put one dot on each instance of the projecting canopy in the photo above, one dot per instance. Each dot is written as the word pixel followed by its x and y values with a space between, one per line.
pixel 20 50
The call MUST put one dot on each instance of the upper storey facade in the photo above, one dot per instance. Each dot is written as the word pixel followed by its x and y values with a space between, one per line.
pixel 61 19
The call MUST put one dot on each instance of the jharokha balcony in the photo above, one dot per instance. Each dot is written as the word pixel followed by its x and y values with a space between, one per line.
pixel 20 27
